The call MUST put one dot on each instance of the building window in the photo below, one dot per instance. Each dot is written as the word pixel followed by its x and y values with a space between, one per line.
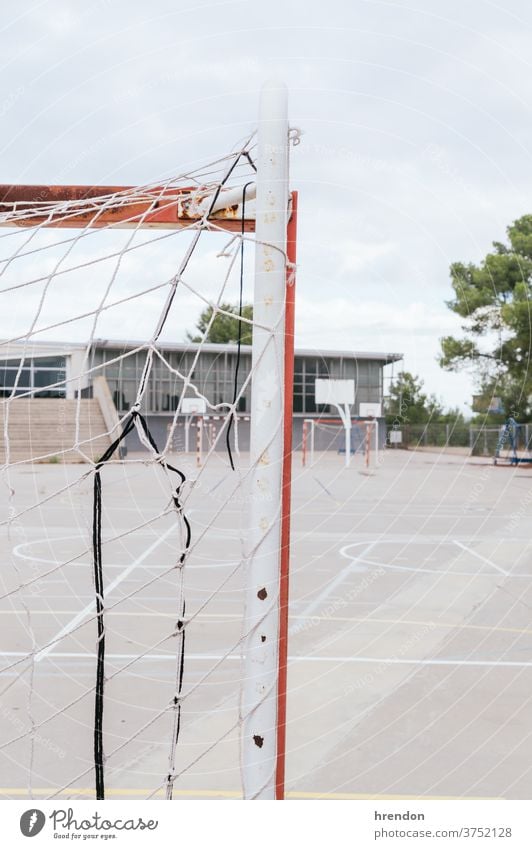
pixel 40 377
pixel 213 376
pixel 306 370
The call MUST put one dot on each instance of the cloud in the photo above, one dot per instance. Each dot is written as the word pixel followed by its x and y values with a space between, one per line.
pixel 342 322
pixel 415 151
pixel 357 255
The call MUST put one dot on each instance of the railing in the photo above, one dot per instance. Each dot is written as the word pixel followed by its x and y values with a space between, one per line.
pixel 472 439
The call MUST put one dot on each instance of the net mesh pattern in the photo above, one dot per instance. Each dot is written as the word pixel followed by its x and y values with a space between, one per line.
pixel 122 589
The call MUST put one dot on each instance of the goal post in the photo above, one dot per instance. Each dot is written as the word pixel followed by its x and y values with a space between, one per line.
pixel 372 411
pixel 267 457
pixel 367 431
pixel 265 476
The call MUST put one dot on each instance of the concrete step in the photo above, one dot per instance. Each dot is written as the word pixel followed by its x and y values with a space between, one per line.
pixel 47 426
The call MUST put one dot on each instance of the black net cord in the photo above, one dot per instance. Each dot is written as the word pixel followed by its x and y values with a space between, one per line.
pixel 99 757
pixel 177 698
pixel 100 658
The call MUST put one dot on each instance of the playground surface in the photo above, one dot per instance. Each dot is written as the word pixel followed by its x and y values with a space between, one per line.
pixel 410 639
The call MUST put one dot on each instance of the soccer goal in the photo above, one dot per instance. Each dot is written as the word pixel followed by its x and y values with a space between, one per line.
pixel 328 434
pixel 150 593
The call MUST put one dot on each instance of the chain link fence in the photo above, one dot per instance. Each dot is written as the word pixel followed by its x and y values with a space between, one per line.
pixel 485 441
pixel 471 439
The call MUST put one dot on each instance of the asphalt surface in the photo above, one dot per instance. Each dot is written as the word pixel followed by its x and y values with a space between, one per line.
pixel 410 632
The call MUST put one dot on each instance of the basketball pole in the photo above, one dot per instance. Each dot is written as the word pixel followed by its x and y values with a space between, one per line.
pixel 345 416
pixel 308 424
pixel 267 449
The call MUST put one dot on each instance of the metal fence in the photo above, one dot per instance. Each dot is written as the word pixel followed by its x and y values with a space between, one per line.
pixel 473 439
pixel 485 441
pixel 433 435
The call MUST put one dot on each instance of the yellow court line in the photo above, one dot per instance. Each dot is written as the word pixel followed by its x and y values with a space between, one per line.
pixel 368 619
pixel 432 624
pixel 232 794
pixel 390 797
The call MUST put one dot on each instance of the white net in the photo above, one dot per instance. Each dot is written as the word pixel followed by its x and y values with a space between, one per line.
pixel 329 434
pixel 122 587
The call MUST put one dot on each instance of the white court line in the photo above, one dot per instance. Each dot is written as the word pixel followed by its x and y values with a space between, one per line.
pixel 344 552
pixel 20 552
pixel 480 557
pixel 108 590
pixel 387 661
pixel 325 593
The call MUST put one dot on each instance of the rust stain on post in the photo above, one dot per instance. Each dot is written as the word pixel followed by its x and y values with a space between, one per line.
pixel 168 208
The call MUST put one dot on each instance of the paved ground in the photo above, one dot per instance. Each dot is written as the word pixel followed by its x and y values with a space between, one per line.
pixel 411 636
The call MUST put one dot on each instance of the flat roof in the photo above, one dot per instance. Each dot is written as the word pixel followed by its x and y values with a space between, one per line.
pixel 218 348
pixel 45 348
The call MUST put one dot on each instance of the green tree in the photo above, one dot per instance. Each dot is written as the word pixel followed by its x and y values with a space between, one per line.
pixel 452 416
pixel 224 328
pixel 408 404
pixel 494 299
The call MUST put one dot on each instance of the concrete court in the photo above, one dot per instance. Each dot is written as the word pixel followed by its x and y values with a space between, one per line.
pixel 411 637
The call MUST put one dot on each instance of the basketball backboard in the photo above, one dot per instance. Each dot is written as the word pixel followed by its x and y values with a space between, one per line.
pixel 193 406
pixel 370 410
pixel 334 391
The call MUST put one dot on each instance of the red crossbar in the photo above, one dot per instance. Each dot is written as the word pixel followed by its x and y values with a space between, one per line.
pixel 105 206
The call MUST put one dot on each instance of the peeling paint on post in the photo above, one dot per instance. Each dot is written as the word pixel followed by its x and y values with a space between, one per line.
pixel 263 552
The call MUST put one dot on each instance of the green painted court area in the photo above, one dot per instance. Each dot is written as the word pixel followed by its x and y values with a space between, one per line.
pixel 410 653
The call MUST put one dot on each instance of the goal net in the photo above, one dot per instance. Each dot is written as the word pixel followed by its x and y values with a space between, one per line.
pixel 144 591
pixel 321 435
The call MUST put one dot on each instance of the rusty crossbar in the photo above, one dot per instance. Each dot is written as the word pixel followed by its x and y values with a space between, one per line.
pixel 169 208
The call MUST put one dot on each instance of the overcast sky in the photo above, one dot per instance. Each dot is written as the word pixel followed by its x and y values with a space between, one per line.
pixel 417 131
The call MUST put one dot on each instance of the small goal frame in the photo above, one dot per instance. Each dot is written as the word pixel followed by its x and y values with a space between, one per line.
pixel 275 225
pixel 308 437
